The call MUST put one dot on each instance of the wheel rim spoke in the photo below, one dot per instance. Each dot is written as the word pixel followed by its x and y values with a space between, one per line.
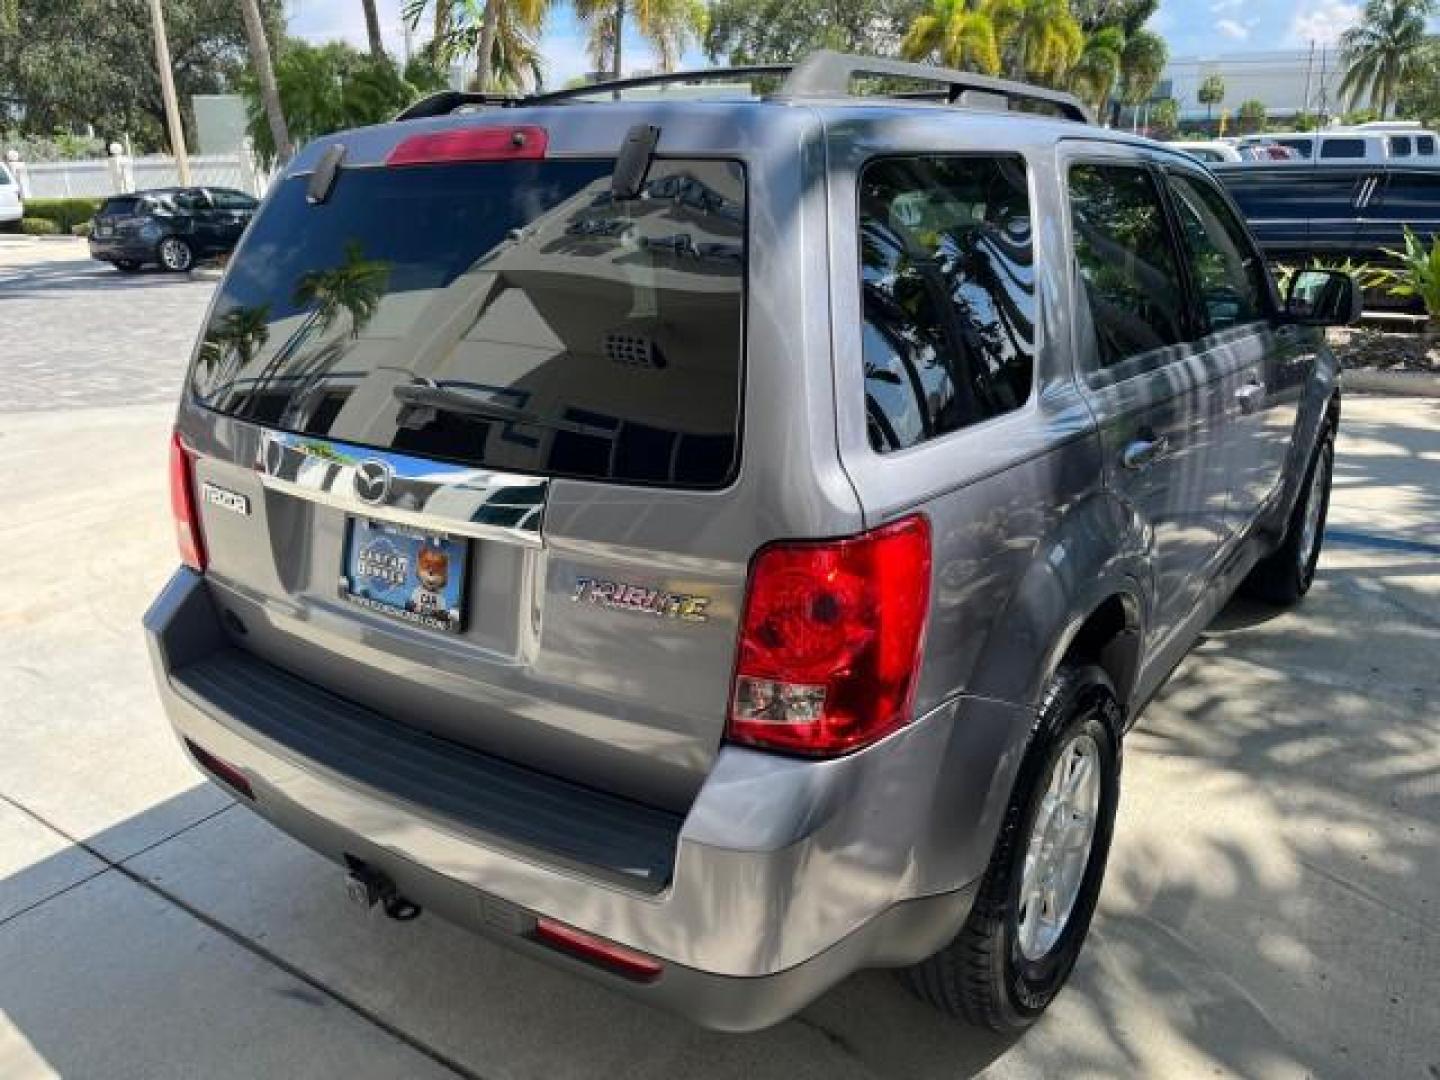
pixel 1059 846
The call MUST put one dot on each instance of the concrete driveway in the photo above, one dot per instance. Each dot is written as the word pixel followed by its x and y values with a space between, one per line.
pixel 1272 907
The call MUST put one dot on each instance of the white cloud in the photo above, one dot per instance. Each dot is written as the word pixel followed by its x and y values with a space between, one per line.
pixel 1224 7
pixel 1322 23
pixel 1232 29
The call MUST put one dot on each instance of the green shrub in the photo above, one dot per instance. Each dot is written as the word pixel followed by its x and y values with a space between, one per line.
pixel 1418 274
pixel 39 226
pixel 82 229
pixel 65 213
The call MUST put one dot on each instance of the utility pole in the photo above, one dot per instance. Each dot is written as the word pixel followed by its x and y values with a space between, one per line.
pixel 167 91
pixel 1309 70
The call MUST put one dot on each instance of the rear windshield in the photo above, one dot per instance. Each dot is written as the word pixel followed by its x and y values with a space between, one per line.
pixel 121 206
pixel 509 315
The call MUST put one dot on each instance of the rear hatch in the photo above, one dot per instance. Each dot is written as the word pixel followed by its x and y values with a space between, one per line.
pixel 123 215
pixel 464 433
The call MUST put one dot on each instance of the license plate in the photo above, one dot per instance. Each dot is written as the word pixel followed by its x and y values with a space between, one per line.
pixel 406 573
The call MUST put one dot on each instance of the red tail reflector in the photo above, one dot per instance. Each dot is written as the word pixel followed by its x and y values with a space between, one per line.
pixel 222 770
pixel 830 641
pixel 182 506
pixel 511 142
pixel 597 950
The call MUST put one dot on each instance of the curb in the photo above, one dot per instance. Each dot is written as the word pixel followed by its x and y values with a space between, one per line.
pixel 1407 384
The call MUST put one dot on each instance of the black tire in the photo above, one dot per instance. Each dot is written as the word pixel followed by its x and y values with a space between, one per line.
pixel 983 976
pixel 1286 574
pixel 175 255
pixel 127 266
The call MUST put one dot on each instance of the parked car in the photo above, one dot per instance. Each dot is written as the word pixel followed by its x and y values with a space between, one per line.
pixel 1209 150
pixel 1352 145
pixel 714 547
pixel 174 227
pixel 12 204
pixel 1335 212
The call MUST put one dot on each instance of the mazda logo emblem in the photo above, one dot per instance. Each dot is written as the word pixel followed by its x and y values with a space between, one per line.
pixel 372 481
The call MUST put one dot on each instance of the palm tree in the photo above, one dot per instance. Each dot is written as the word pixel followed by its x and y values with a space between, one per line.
pixel 372 29
pixel 501 35
pixel 1141 62
pixel 265 79
pixel 1095 72
pixel 1041 38
pixel 1211 93
pixel 667 24
pixel 354 285
pixel 1382 50
pixel 961 34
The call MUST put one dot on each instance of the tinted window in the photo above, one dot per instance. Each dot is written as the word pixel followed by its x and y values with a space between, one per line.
pixel 1227 276
pixel 4 176
pixel 1425 144
pixel 1303 147
pixel 1342 148
pixel 949 294
pixel 189 200
pixel 1126 262
pixel 128 204
pixel 231 200
pixel 1400 145
pixel 509 315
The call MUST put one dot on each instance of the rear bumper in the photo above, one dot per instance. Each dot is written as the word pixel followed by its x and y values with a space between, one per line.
pixel 112 248
pixel 786 875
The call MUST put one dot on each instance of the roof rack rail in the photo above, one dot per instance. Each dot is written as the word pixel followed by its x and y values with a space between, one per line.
pixel 829 74
pixel 821 74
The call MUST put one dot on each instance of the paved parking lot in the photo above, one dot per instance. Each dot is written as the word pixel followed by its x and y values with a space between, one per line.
pixel 1272 908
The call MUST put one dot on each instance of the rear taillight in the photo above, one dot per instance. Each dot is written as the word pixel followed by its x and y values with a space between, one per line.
pixel 507 142
pixel 830 641
pixel 597 950
pixel 182 505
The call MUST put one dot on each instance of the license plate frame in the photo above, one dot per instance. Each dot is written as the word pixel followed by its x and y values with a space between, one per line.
pixel 381 571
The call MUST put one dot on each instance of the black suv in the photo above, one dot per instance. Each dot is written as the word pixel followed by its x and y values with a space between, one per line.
pixel 174 227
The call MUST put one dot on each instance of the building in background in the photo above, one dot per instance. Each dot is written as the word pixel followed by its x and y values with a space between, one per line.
pixel 1288 81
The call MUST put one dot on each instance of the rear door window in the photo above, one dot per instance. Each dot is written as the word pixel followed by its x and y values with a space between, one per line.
pixel 1126 260
pixel 509 315
pixel 1399 145
pixel 1425 145
pixel 948 277
pixel 1303 147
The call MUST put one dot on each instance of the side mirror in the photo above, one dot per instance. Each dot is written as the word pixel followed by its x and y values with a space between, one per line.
pixel 1322 298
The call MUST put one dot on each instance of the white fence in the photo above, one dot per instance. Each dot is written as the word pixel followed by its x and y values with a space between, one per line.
pixel 118 174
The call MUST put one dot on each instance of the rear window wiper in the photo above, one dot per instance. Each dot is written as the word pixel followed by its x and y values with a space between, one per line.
pixel 423 397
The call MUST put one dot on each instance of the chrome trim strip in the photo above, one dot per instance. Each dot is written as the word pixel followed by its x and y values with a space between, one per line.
pixel 431 495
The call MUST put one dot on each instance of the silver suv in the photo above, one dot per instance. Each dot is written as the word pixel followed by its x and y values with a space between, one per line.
pixel 719 545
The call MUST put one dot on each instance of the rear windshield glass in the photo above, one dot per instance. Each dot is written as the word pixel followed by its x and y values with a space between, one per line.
pixel 120 206
pixel 509 315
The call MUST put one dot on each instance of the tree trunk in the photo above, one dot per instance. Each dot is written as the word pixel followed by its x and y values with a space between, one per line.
pixel 485 68
pixel 619 36
pixel 265 75
pixel 372 29
pixel 442 23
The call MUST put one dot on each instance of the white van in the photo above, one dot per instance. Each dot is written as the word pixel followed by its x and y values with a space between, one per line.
pixel 12 206
pixel 1411 144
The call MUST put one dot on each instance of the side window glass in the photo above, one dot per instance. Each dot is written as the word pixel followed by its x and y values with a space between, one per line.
pixel 1342 148
pixel 1126 261
pixel 1425 144
pixel 1400 145
pixel 1227 275
pixel 948 281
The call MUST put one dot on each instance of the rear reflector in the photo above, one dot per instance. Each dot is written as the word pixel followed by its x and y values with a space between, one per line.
pixel 830 642
pixel 511 142
pixel 182 506
pixel 223 771
pixel 597 950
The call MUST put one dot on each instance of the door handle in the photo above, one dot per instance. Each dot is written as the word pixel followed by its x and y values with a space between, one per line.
pixel 1144 452
pixel 1251 396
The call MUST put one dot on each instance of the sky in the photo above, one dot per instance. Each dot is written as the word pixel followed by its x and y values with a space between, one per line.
pixel 1192 28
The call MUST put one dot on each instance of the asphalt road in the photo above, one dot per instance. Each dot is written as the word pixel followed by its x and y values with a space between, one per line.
pixel 1272 907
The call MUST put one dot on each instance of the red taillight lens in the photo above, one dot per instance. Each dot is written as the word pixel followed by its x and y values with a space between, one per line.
pixel 509 142
pixel 830 642
pixel 222 770
pixel 597 950
pixel 182 506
